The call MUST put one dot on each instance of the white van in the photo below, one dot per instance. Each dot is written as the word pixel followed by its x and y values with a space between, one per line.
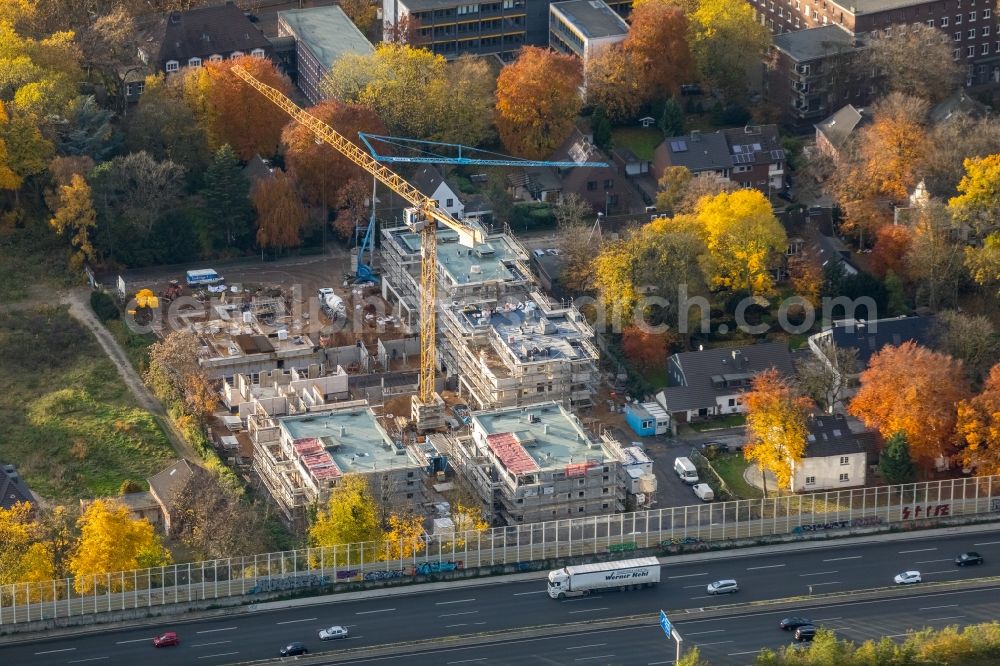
pixel 686 470
pixel 204 276
pixel 704 492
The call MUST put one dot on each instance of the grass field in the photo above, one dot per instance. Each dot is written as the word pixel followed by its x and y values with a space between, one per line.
pixel 66 419
pixel 640 140
pixel 725 421
pixel 730 467
pixel 31 260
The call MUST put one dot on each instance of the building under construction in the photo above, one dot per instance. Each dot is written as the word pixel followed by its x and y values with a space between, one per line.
pixel 501 340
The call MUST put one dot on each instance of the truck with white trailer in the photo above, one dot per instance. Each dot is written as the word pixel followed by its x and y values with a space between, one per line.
pixel 582 579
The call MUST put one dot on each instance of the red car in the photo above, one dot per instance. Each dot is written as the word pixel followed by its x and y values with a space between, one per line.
pixel 169 638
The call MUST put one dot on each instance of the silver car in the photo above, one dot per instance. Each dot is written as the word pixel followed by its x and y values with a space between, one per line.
pixel 330 633
pixel 727 586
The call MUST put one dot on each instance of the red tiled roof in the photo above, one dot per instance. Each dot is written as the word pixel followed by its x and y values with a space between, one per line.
pixel 316 459
pixel 511 453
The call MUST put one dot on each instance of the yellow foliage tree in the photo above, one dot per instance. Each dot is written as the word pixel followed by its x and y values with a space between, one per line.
pixel 776 426
pixel 111 541
pixel 743 238
pixel 614 276
pixel 984 262
pixel 978 203
pixel 349 517
pixel 8 179
pixel 18 531
pixel 75 214
pixel 468 520
pixel 404 537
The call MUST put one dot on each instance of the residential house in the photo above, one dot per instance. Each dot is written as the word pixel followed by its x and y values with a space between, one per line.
pixel 207 34
pixel 584 28
pixel 749 156
pixel 831 250
pixel 607 189
pixel 166 485
pixel 958 104
pixel 454 27
pixel 711 382
pixel 868 337
pixel 323 35
pixel 834 133
pixel 13 489
pixel 431 182
pixel 631 163
pixel 540 184
pixel 836 455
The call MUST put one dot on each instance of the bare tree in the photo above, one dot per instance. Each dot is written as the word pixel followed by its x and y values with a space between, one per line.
pixel 578 239
pixel 915 60
pixel 971 338
pixel 825 376
pixel 213 521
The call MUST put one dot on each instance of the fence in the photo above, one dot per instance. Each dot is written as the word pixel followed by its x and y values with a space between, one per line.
pixel 315 568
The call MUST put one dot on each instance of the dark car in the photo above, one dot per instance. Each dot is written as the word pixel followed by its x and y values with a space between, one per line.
pixel 806 632
pixel 715 447
pixel 968 558
pixel 168 638
pixel 790 623
pixel 294 649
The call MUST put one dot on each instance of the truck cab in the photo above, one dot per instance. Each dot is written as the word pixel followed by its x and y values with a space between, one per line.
pixel 559 584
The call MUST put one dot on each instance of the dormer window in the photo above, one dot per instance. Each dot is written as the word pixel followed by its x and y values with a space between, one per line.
pixel 236 54
pixel 257 53
pixel 215 57
pixel 194 62
pixel 172 66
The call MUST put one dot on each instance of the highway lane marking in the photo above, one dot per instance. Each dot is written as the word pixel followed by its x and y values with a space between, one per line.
pixel 54 651
pixel 381 610
pixel 827 619
pixel 353 638
pixel 657 663
pixel 766 566
pixel 521 594
pixel 832 582
pixel 212 643
pixel 134 640
pixel 589 598
pixel 599 656
pixel 986 543
pixel 949 571
pixel 704 596
pixel 838 559
pixel 462 613
pixel 461 624
pixel 80 661
pixel 584 647
pixel 467 661
pixel 588 610
pixel 938 607
pixel 221 654
pixel 684 576
pixel 457 601
pixel 736 654
pixel 938 619
pixel 209 631
pixel 947 559
pixel 305 619
pixel 917 550
pixel 819 573
pixel 698 633
pixel 691 587
pixel 715 643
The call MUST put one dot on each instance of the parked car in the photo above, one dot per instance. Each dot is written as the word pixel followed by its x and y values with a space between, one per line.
pixel 793 622
pixel 294 649
pixel 969 558
pixel 727 586
pixel 907 578
pixel 166 639
pixel 704 492
pixel 806 632
pixel 710 448
pixel 333 632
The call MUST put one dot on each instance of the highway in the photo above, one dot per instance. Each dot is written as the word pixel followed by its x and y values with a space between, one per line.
pixel 509 606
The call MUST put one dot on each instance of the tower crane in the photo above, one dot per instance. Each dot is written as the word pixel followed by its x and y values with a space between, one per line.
pixel 424 221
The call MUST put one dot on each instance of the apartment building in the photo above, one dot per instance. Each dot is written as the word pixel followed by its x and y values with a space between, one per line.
pixel 301 458
pixel 584 27
pixel 454 27
pixel 815 40
pixel 502 341
pixel 538 463
pixel 284 391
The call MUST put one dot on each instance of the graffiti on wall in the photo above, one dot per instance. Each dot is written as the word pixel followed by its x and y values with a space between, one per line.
pixel 288 583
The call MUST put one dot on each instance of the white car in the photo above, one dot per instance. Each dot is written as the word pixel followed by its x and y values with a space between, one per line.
pixel 908 577
pixel 333 632
pixel 727 586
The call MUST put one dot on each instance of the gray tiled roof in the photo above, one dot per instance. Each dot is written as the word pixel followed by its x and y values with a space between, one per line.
pixel 699 152
pixel 814 43
pixel 427 179
pixel 830 435
pixel 166 484
pixel 207 31
pixel 870 337
pixel 13 489
pixel 839 126
pixel 699 367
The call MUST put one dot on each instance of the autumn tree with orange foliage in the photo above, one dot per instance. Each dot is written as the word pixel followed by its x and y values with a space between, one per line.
pixel 912 389
pixel 235 113
pixel 978 427
pixel 538 99
pixel 805 271
pixel 892 243
pixel 777 426
pixel 657 43
pixel 646 350
pixel 280 213
pixel 320 170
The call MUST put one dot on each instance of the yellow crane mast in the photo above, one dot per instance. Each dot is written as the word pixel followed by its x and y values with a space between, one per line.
pixel 428 214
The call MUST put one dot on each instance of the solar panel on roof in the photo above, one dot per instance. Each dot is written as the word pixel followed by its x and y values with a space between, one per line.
pixel 678 146
pixel 756 146
pixel 777 154
pixel 737 149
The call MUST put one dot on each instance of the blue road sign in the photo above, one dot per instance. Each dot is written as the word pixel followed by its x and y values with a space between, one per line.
pixel 665 623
